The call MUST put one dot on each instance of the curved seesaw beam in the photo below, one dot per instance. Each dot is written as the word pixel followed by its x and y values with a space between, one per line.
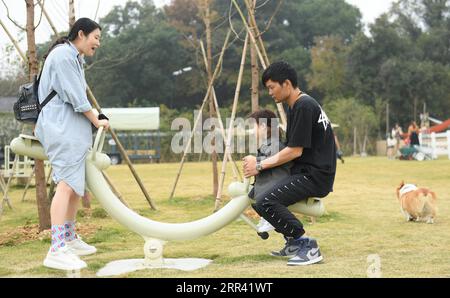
pixel 95 162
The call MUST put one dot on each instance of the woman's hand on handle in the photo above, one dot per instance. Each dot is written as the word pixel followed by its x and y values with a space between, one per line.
pixel 103 122
pixel 95 119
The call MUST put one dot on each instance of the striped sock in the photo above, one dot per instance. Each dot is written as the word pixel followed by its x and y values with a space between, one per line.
pixel 70 234
pixel 57 237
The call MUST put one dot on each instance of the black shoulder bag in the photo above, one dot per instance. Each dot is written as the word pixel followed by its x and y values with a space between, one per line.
pixel 27 107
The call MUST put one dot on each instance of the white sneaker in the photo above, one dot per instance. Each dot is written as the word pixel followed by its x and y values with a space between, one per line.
pixel 81 248
pixel 63 259
pixel 264 226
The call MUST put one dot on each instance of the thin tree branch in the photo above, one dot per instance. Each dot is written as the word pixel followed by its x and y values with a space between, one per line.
pixel 271 18
pixel 42 10
pixel 113 62
pixel 9 17
pixel 96 11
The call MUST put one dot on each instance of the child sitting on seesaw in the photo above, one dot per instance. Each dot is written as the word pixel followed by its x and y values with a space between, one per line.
pixel 268 143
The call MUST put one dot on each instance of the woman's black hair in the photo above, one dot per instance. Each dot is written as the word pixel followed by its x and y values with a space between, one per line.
pixel 84 24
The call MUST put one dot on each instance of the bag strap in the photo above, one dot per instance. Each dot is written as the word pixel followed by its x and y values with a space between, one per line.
pixel 48 98
pixel 51 95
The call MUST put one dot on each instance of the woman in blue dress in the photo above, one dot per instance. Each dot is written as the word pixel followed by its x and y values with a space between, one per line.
pixel 64 128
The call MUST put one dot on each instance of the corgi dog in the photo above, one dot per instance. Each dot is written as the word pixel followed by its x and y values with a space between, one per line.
pixel 417 204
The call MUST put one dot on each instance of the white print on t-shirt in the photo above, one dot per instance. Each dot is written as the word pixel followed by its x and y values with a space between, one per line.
pixel 323 119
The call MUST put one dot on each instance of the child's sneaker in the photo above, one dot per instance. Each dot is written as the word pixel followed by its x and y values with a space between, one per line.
pixel 264 226
pixel 63 259
pixel 81 248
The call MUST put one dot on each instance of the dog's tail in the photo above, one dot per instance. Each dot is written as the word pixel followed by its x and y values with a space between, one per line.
pixel 398 188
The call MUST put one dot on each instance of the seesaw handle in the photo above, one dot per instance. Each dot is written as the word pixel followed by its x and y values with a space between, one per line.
pixel 246 184
pixel 99 141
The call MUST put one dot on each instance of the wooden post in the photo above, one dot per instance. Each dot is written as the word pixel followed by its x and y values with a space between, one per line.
pixel 231 125
pixel 41 187
pixel 205 99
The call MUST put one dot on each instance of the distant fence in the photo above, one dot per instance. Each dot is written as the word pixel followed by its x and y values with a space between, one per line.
pixel 435 144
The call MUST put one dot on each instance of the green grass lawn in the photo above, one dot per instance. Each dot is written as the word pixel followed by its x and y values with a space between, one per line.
pixel 363 218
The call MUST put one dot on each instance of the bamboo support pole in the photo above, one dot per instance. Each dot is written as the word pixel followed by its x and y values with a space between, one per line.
pixel 15 43
pixel 114 189
pixel 48 18
pixel 231 125
pixel 216 104
pixel 263 60
pixel 122 151
pixel 256 31
pixel 205 99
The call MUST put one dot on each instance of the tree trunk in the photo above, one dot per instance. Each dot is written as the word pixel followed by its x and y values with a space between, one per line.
pixel 41 193
pixel 71 13
pixel 212 110
pixel 255 68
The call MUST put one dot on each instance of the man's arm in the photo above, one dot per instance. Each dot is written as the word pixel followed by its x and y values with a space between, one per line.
pixel 282 157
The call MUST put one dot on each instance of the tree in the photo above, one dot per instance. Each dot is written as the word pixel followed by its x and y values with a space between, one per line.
pixel 349 113
pixel 404 61
pixel 139 53
pixel 329 57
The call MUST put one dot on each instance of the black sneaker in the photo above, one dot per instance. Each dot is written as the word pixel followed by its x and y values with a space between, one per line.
pixel 291 247
pixel 308 254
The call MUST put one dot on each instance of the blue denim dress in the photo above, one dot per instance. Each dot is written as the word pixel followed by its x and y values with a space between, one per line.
pixel 62 128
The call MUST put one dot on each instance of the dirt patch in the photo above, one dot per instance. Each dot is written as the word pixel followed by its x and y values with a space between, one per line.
pixel 29 233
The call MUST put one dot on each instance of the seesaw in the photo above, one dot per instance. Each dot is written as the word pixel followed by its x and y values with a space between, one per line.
pixel 155 233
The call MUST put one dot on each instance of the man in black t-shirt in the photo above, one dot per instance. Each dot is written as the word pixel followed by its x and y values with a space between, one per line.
pixel 310 145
